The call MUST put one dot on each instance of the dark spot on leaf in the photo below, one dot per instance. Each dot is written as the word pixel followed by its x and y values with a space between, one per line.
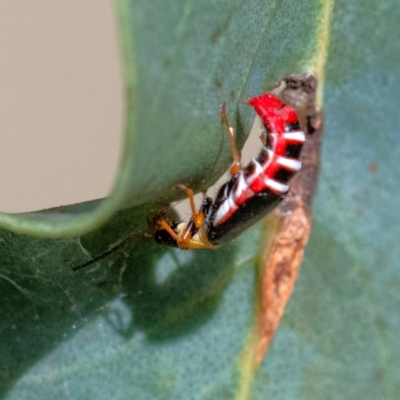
pixel 378 375
pixel 373 166
pixel 221 29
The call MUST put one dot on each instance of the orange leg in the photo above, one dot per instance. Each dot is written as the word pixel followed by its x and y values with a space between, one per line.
pixel 184 239
pixel 198 217
pixel 236 165
pixel 165 225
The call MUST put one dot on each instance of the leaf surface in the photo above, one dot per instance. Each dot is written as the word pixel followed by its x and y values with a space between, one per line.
pixel 148 322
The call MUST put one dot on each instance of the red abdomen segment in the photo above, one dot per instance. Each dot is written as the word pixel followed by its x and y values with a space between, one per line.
pixel 278 161
pixel 274 113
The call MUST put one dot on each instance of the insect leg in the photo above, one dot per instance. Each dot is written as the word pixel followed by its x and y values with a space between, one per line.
pixel 236 165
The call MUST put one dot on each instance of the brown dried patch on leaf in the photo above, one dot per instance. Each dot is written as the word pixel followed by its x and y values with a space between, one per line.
pixel 373 166
pixel 281 268
pixel 289 226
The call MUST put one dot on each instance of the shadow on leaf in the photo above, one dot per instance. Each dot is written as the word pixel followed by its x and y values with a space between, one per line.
pixel 169 292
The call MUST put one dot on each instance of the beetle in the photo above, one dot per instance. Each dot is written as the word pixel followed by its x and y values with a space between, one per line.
pixel 252 191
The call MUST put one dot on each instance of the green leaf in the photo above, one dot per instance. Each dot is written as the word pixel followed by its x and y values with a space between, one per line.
pixel 149 322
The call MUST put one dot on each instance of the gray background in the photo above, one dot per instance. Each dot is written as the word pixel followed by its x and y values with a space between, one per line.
pixel 60 102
